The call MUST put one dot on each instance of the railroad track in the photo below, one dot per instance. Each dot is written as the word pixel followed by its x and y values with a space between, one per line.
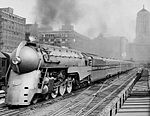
pixel 9 112
pixel 15 111
pixel 87 101
pixel 86 95
pixel 142 87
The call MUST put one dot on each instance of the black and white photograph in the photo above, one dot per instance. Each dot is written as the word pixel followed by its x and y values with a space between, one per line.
pixel 74 57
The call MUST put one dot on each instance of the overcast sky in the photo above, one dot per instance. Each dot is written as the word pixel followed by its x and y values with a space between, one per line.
pixel 113 17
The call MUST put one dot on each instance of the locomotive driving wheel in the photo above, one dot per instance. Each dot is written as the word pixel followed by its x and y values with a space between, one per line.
pixel 54 93
pixel 69 86
pixel 47 96
pixel 62 89
pixel 35 99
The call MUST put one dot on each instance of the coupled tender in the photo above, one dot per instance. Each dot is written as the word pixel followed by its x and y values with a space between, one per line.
pixel 43 71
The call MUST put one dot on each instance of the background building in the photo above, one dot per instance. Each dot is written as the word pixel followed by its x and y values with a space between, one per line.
pixel 12 29
pixel 109 46
pixel 105 46
pixel 141 46
pixel 63 37
pixel 143 26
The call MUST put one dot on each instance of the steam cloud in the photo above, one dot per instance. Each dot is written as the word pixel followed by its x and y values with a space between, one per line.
pixel 57 11
pixel 92 17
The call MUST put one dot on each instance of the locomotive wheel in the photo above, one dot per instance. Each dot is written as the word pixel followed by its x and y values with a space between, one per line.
pixel 46 96
pixel 62 89
pixel 35 99
pixel 69 87
pixel 54 93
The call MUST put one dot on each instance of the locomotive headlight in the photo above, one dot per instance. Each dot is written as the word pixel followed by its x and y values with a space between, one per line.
pixel 16 60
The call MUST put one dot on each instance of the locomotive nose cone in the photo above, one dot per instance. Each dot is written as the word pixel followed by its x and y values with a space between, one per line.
pixel 27 60
pixel 24 59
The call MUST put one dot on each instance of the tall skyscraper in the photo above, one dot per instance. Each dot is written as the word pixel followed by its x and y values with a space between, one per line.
pixel 141 46
pixel 143 26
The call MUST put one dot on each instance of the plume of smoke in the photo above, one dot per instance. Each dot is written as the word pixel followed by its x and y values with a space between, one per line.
pixel 52 12
pixel 92 17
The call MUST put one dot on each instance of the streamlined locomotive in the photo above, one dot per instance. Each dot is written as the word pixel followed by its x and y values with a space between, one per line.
pixel 45 71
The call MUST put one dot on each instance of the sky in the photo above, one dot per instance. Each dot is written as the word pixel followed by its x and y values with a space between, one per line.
pixel 90 17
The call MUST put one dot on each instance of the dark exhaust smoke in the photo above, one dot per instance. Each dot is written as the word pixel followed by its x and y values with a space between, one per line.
pixel 52 12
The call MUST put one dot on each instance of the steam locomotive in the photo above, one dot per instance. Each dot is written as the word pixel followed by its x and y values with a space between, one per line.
pixel 40 70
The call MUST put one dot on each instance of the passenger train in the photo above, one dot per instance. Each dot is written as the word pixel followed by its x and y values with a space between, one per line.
pixel 44 71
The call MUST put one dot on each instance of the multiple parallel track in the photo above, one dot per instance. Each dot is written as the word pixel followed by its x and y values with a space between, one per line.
pixel 91 99
pixel 142 87
pixel 138 102
pixel 82 102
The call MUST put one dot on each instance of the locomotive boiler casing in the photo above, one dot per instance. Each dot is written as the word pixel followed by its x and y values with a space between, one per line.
pixel 28 58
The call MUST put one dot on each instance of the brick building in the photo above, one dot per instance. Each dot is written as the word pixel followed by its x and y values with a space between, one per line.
pixel 12 29
pixel 62 37
pixel 107 46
